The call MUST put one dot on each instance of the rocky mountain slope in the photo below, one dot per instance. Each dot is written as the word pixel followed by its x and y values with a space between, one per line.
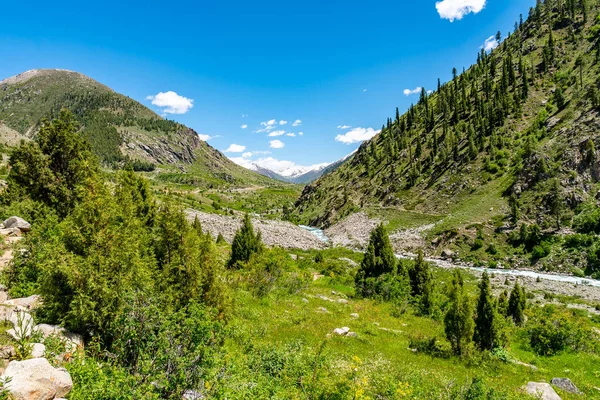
pixel 117 127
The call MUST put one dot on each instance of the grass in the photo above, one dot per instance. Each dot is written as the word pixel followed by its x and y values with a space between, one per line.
pixel 292 321
pixel 402 219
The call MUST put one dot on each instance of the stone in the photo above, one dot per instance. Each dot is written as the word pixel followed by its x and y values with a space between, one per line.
pixel 342 301
pixel 36 379
pixel 322 310
pixel 448 254
pixel 22 324
pixel 25 302
pixel 304 300
pixel 352 334
pixel 565 385
pixel 354 315
pixel 10 232
pixel 72 340
pixel 192 395
pixel 38 350
pixel 17 222
pixel 542 390
pixel 341 331
pixel 7 352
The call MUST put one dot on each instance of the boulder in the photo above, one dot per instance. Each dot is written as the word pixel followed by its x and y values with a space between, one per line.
pixel 38 350
pixel 354 315
pixel 565 385
pixel 25 302
pixel 22 323
pixel 72 340
pixel 36 379
pixel 542 391
pixel 448 254
pixel 17 222
pixel 7 351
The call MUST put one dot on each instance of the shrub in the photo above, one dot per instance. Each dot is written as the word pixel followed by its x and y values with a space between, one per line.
pixel 245 243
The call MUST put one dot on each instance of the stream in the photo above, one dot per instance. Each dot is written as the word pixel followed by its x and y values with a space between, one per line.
pixel 319 233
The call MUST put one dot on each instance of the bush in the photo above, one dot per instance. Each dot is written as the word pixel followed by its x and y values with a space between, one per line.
pixel 552 331
pixel 542 250
pixel 429 345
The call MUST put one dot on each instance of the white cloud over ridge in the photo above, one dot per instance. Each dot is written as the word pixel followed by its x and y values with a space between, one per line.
pixel 457 9
pixel 357 135
pixel 171 103
pixel 408 92
pixel 205 138
pixel 490 44
pixel 235 148
pixel 276 144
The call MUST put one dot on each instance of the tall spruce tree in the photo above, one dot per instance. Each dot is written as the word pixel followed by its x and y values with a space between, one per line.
pixel 421 282
pixel 458 321
pixel 379 258
pixel 245 243
pixel 516 305
pixel 486 325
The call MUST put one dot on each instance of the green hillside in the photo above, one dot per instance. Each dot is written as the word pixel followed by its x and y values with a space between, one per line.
pixel 511 140
pixel 118 128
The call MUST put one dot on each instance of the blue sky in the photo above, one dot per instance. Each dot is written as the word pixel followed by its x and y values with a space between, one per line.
pixel 328 64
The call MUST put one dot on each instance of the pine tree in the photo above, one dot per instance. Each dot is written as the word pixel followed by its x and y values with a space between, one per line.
pixel 458 321
pixel 503 303
pixel 379 258
pixel 513 203
pixel 421 282
pixel 516 305
pixel 486 325
pixel 245 243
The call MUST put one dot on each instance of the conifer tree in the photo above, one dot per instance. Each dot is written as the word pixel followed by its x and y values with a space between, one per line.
pixel 516 305
pixel 421 282
pixel 458 321
pixel 486 325
pixel 503 303
pixel 379 258
pixel 245 243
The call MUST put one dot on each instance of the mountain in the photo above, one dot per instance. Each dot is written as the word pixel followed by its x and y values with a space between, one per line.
pixel 298 174
pixel 117 127
pixel 510 141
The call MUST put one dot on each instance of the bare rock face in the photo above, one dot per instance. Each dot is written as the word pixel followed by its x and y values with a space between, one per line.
pixel 541 391
pixel 36 379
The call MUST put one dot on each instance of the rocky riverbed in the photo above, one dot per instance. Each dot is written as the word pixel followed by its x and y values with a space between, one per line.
pixel 274 233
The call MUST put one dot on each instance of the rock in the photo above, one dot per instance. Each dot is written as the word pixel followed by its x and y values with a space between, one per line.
pixel 341 331
pixel 304 300
pixel 22 323
pixel 448 254
pixel 7 351
pixel 72 340
pixel 542 390
pixel 36 379
pixel 10 232
pixel 25 302
pixel 354 315
pixel 352 334
pixel 322 310
pixel 17 222
pixel 342 301
pixel 38 350
pixel 192 395
pixel 566 385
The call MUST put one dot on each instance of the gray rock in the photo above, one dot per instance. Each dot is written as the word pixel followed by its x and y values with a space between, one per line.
pixel 351 334
pixel 22 324
pixel 25 302
pixel 448 254
pixel 566 385
pixel 73 341
pixel 7 351
pixel 341 331
pixel 354 315
pixel 542 390
pixel 38 350
pixel 17 222
pixel 36 379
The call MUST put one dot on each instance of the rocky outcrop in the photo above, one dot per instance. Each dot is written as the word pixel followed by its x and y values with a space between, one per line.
pixel 72 341
pixel 565 385
pixel 36 379
pixel 541 390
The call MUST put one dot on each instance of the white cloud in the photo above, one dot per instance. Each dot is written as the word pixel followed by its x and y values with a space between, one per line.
pixel 457 9
pixel 301 133
pixel 283 122
pixel 276 144
pixel 344 127
pixel 171 103
pixel 276 133
pixel 235 148
pixel 249 154
pixel 269 123
pixel 244 126
pixel 268 126
pixel 490 44
pixel 408 92
pixel 356 135
pixel 297 122
pixel 205 138
pixel 430 92
pixel 364 90
pixel 282 167
pixel 291 134
pixel 244 115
